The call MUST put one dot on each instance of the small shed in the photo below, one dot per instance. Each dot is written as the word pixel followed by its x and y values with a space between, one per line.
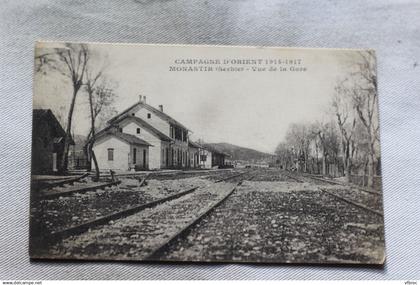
pixel 211 157
pixel 116 150
pixel 48 138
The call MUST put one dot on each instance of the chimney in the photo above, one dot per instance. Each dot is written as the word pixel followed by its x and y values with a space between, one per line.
pixel 161 108
pixel 140 99
pixel 144 99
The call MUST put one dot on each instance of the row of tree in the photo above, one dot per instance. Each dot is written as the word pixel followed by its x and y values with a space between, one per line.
pixel 347 142
pixel 84 70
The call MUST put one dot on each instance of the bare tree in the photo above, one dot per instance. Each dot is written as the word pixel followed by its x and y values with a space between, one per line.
pixel 326 134
pixel 284 155
pixel 315 148
pixel 298 137
pixel 91 80
pixel 101 98
pixel 365 102
pixel 346 121
pixel 70 61
pixel 320 133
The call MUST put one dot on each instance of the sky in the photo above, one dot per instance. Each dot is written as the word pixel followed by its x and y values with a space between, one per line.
pixel 247 108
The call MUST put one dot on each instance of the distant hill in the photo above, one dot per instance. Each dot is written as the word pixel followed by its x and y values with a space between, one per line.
pixel 241 153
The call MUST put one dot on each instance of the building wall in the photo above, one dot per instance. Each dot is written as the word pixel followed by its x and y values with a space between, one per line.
pixel 130 127
pixel 208 156
pixel 178 152
pixel 180 155
pixel 165 154
pixel 121 153
pixel 42 152
pixel 142 157
pixel 156 121
pixel 43 148
pixel 193 159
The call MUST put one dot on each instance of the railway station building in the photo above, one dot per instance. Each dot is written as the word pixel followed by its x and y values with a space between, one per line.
pixel 144 137
pixel 166 137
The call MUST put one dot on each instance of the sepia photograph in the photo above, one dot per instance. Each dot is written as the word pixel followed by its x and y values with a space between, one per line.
pixel 178 153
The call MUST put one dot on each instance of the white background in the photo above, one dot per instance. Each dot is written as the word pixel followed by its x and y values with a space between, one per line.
pixel 392 28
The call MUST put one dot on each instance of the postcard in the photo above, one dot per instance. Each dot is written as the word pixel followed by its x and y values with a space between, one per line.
pixel 205 154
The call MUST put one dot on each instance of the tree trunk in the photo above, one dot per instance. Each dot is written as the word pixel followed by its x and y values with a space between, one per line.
pixel 87 154
pixel 95 162
pixel 371 168
pixel 92 140
pixel 65 160
pixel 365 171
pixel 371 162
pixel 347 160
pixel 347 173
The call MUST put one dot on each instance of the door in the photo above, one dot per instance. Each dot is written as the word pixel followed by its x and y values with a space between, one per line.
pixel 54 162
pixel 134 156
pixel 167 157
pixel 144 159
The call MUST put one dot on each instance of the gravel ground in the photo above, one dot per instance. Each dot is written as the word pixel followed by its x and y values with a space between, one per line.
pixel 282 222
pixel 369 200
pixel 136 236
pixel 76 185
pixel 271 175
pixel 226 174
pixel 269 218
pixel 203 173
pixel 67 211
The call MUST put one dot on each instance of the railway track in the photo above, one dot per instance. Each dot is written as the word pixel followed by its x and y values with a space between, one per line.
pixel 171 173
pixel 341 184
pixel 344 199
pixel 48 184
pixel 48 191
pixel 359 205
pixel 56 236
pixel 287 174
pixel 73 190
pixel 194 225
pixel 160 249
pixel 338 197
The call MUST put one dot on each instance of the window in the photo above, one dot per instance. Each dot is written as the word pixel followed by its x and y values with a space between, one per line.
pixel 172 132
pixel 134 155
pixel 110 154
pixel 149 115
pixel 203 157
pixel 120 130
pixel 138 130
pixel 178 133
